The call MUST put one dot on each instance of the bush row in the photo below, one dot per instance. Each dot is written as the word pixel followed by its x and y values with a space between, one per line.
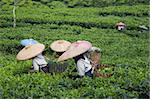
pixel 82 17
pixel 122 84
pixel 136 10
pixel 93 3
pixel 73 3
pixel 100 22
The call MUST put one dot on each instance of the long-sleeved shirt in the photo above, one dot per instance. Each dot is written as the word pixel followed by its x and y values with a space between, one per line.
pixel 83 66
pixel 38 62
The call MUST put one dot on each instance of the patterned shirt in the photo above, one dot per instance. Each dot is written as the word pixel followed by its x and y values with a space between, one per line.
pixel 83 66
pixel 38 62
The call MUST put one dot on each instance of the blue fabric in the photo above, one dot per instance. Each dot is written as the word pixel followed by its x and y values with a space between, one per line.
pixel 26 42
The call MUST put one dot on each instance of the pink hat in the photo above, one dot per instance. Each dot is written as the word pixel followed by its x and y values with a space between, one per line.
pixel 75 49
pixel 30 51
pixel 60 45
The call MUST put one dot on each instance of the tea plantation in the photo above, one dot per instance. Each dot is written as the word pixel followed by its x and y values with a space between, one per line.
pixel 49 20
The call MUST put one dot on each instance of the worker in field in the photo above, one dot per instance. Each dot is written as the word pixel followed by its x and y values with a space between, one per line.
pixel 120 26
pixel 60 46
pixel 86 57
pixel 33 50
pixel 77 51
pixel 94 55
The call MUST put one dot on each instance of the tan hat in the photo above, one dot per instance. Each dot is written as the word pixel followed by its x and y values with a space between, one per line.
pixel 120 24
pixel 30 51
pixel 75 49
pixel 60 45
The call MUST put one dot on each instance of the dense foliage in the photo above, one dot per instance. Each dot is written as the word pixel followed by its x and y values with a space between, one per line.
pixel 94 3
pixel 79 3
pixel 49 20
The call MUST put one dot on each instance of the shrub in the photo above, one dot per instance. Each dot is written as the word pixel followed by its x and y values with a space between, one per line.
pixel 56 4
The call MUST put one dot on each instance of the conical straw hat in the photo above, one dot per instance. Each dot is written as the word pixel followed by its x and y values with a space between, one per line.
pixel 60 45
pixel 30 51
pixel 75 49
pixel 26 42
pixel 120 24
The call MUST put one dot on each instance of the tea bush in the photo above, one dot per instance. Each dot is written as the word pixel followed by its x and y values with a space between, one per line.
pixel 56 4
pixel 127 51
pixel 95 3
pixel 136 10
pixel 77 17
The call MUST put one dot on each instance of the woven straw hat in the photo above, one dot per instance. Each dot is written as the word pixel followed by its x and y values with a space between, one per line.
pixel 120 24
pixel 60 45
pixel 30 51
pixel 27 42
pixel 75 49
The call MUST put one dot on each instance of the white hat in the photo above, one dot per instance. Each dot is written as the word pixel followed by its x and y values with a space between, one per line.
pixel 60 45
pixel 30 51
pixel 120 24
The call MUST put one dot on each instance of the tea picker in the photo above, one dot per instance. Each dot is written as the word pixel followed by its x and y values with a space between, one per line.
pixel 143 28
pixel 33 50
pixel 120 26
pixel 86 57
pixel 77 51
pixel 59 47
pixel 94 55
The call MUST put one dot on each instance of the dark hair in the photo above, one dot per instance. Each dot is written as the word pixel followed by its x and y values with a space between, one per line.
pixel 59 53
pixel 78 57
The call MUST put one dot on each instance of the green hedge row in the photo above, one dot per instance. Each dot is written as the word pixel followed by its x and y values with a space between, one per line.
pixel 82 17
pixel 100 22
pixel 136 10
pixel 122 84
pixel 74 3
pixel 94 3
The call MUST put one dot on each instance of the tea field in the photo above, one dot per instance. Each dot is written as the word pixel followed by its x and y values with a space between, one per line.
pixel 127 51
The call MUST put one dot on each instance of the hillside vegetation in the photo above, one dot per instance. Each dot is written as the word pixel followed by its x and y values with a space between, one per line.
pixel 72 20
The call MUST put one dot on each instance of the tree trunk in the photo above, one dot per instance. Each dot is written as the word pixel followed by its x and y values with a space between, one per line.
pixel 14 14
